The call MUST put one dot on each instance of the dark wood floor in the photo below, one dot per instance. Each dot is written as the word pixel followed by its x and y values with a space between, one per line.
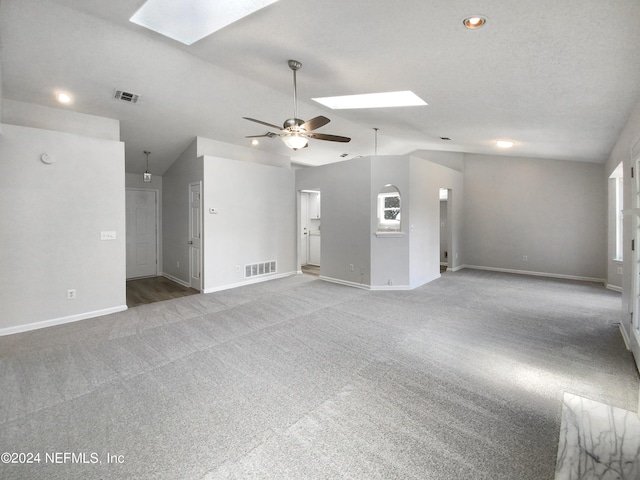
pixel 155 289
pixel 310 269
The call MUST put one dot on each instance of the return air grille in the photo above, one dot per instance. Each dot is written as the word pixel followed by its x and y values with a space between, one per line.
pixel 126 96
pixel 258 269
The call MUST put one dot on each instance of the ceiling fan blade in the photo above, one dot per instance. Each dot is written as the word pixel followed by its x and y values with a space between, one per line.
pixel 263 123
pixel 268 134
pixel 315 123
pixel 331 138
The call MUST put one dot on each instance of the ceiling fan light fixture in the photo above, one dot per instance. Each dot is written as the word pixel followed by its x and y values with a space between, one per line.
pixel 474 21
pixel 295 141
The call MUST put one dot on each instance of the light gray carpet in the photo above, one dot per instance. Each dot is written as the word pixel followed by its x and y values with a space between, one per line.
pixel 297 378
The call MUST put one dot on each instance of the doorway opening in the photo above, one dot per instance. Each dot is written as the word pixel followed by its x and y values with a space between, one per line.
pixel 445 229
pixel 142 233
pixel 310 231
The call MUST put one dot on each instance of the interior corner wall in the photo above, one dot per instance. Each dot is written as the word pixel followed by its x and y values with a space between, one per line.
pixel 215 148
pixel 58 119
pixel 346 218
pixel 187 168
pixel 552 212
pixel 389 255
pixel 253 222
pixel 51 221
pixel 426 180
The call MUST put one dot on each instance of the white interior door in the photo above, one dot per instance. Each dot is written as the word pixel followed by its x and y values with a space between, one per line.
pixel 142 233
pixel 195 236
pixel 635 317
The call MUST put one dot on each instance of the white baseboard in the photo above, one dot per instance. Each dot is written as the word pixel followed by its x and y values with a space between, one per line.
pixel 455 269
pixel 59 321
pixel 364 286
pixel 389 287
pixel 536 274
pixel 346 282
pixel 625 337
pixel 250 281
pixel 615 288
pixel 176 279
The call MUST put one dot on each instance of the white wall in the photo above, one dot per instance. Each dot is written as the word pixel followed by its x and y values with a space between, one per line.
pixel 188 168
pixel 50 224
pixel 553 212
pixel 390 253
pixel 427 178
pixel 255 220
pixel 346 218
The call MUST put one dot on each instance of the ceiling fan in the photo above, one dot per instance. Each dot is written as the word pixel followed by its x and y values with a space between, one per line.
pixel 295 133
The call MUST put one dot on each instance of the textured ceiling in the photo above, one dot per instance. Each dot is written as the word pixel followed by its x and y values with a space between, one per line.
pixel 558 78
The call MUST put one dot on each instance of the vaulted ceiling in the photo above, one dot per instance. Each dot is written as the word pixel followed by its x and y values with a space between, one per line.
pixel 558 78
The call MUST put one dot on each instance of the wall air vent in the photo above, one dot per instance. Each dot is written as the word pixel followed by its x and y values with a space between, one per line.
pixel 126 96
pixel 259 269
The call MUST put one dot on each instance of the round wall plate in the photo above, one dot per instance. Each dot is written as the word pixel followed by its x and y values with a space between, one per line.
pixel 46 158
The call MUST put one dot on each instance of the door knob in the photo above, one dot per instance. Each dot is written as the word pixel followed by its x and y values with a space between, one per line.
pixel 190 242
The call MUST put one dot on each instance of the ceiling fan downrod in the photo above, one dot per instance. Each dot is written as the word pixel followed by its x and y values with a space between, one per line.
pixel 295 65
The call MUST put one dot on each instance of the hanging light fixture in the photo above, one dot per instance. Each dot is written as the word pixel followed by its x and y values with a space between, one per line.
pixel 375 145
pixel 146 176
pixel 295 140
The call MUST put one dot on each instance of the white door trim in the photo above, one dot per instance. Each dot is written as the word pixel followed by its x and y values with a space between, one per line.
pixel 199 284
pixel 158 243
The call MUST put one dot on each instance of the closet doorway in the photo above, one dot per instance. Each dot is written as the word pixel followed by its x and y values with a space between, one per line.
pixel 310 230
pixel 445 229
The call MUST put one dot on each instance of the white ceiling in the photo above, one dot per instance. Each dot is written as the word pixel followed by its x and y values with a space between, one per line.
pixel 557 77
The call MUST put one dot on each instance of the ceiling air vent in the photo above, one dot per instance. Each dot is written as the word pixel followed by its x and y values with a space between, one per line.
pixel 126 96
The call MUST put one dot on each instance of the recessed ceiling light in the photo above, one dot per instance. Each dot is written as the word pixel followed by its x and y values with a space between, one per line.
pixel 63 97
pixel 504 143
pixel 372 100
pixel 189 23
pixel 255 142
pixel 474 21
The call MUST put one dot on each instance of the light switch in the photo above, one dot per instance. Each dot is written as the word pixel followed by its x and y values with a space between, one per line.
pixel 110 235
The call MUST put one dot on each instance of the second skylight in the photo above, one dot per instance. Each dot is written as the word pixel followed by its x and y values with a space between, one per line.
pixel 372 100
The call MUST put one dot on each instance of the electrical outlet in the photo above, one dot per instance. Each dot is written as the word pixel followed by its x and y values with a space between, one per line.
pixel 619 270
pixel 71 294
pixel 238 268
pixel 525 258
pixel 351 267
pixel 390 281
pixel 177 264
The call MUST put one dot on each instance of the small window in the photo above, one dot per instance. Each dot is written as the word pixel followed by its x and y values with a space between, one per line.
pixel 389 209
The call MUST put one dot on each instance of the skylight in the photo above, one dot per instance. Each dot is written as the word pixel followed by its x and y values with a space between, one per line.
pixel 188 21
pixel 372 100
